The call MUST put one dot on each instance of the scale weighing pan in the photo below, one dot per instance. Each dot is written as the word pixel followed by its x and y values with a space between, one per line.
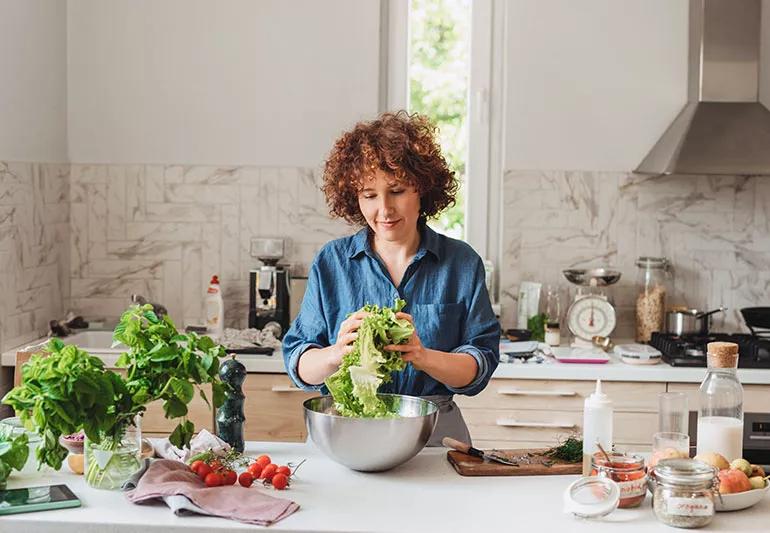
pixel 583 276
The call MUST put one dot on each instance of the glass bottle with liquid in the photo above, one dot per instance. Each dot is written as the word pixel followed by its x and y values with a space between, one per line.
pixel 553 313
pixel 720 416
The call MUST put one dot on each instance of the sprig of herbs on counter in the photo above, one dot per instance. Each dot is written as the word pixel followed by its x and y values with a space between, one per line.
pixel 163 364
pixel 571 450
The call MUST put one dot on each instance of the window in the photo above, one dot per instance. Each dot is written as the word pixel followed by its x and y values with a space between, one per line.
pixel 437 61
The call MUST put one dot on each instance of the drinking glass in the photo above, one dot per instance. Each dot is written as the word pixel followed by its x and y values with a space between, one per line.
pixel 669 445
pixel 673 415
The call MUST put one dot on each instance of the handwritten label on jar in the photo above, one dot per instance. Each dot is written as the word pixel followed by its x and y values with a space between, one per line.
pixel 635 487
pixel 689 506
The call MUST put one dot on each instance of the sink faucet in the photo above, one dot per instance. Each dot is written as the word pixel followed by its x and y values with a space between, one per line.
pixel 159 309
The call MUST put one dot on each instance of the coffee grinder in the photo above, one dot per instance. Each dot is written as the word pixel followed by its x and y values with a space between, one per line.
pixel 269 288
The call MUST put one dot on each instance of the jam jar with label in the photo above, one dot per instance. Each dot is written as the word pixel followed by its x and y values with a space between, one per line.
pixel 627 471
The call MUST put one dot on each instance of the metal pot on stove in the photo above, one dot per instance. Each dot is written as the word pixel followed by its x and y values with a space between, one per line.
pixel 684 321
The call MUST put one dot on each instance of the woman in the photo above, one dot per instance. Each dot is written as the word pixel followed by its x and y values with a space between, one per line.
pixel 388 176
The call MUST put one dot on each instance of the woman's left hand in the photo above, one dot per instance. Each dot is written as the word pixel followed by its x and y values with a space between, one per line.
pixel 413 351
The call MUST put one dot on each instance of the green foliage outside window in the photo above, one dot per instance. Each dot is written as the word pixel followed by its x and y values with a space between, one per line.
pixel 439 71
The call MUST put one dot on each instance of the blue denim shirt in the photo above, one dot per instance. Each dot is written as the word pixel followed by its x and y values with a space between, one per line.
pixel 444 291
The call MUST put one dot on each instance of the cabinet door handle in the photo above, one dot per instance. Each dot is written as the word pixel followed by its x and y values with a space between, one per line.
pixel 524 392
pixel 286 388
pixel 511 423
pixel 759 437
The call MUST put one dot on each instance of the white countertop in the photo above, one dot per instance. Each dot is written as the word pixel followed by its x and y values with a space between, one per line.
pixel 425 494
pixel 614 370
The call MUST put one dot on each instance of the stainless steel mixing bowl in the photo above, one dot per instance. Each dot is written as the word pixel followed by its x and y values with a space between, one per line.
pixel 371 444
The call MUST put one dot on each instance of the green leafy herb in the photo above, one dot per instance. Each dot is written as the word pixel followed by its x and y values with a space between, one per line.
pixel 66 390
pixel 536 324
pixel 13 455
pixel 354 385
pixel 571 450
pixel 163 364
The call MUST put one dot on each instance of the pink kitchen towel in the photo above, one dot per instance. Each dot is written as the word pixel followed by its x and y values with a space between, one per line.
pixel 166 478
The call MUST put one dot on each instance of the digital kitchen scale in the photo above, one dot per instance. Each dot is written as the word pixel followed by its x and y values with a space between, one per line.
pixel 591 314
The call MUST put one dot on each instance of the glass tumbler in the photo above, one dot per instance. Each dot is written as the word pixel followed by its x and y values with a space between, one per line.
pixel 673 413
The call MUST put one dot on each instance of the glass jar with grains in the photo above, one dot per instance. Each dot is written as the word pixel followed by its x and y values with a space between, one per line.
pixel 684 492
pixel 653 280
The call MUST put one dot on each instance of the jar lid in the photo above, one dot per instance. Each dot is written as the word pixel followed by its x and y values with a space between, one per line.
pixel 687 472
pixel 652 262
pixel 12 427
pixel 591 497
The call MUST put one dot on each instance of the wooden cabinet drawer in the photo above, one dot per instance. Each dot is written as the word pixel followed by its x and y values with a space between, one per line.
pixel 273 408
pixel 756 398
pixel 547 427
pixel 562 395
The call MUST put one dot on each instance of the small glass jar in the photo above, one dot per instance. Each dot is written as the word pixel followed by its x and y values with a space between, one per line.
pixel 684 493
pixel 653 281
pixel 627 471
pixel 553 313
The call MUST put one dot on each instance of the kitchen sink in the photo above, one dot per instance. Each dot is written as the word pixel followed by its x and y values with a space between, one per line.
pixel 95 342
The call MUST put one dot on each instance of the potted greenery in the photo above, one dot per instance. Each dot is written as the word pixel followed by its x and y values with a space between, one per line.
pixel 66 390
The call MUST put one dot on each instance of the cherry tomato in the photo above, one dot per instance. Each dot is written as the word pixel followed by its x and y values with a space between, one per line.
pixel 255 469
pixel 195 464
pixel 214 479
pixel 246 479
pixel 263 460
pixel 203 471
pixel 285 470
pixel 268 472
pixel 280 481
pixel 215 465
pixel 230 477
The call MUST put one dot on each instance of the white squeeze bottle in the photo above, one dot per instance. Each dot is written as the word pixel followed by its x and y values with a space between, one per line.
pixel 597 425
pixel 215 307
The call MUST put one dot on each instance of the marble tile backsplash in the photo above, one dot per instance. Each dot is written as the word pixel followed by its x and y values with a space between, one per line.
pixel 85 237
pixel 714 229
pixel 34 248
pixel 163 231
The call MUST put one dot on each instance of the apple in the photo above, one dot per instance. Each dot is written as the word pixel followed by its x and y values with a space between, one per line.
pixel 731 481
pixel 741 464
pixel 714 459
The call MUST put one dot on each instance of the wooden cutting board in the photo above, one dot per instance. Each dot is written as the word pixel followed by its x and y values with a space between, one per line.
pixel 531 464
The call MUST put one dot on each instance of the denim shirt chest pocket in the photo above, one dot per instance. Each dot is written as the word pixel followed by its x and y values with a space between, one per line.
pixel 439 326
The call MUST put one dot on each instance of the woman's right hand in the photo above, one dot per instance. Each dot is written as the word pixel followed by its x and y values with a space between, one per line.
pixel 346 335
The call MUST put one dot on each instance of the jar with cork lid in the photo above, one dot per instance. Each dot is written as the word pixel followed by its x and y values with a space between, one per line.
pixel 720 415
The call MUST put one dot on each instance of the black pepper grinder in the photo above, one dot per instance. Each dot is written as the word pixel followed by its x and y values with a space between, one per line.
pixel 230 415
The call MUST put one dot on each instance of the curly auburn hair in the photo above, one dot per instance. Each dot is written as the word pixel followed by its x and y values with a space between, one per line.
pixel 398 143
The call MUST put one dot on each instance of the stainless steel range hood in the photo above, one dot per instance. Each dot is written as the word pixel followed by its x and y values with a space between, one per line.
pixel 723 128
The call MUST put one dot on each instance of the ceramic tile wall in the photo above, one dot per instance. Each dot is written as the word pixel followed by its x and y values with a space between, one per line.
pixel 162 231
pixel 34 251
pixel 715 230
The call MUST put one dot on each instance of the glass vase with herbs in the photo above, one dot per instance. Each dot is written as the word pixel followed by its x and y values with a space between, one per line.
pixel 64 390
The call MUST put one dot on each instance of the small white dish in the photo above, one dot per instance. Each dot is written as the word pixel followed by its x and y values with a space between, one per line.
pixel 740 500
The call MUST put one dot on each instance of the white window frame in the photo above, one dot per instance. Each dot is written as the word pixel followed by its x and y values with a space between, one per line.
pixel 485 161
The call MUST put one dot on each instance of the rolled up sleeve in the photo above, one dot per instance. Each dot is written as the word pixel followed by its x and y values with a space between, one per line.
pixel 481 336
pixel 307 331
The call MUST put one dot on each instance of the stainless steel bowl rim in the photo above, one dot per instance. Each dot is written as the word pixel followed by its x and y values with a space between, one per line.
pixel 307 402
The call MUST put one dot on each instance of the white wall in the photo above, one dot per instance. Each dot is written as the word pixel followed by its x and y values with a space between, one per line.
pixel 764 69
pixel 33 80
pixel 591 84
pixel 230 82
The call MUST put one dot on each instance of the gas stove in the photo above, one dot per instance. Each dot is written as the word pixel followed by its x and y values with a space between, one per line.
pixel 690 350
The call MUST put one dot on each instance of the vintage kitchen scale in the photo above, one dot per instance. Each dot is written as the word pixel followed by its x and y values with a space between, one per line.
pixel 591 314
